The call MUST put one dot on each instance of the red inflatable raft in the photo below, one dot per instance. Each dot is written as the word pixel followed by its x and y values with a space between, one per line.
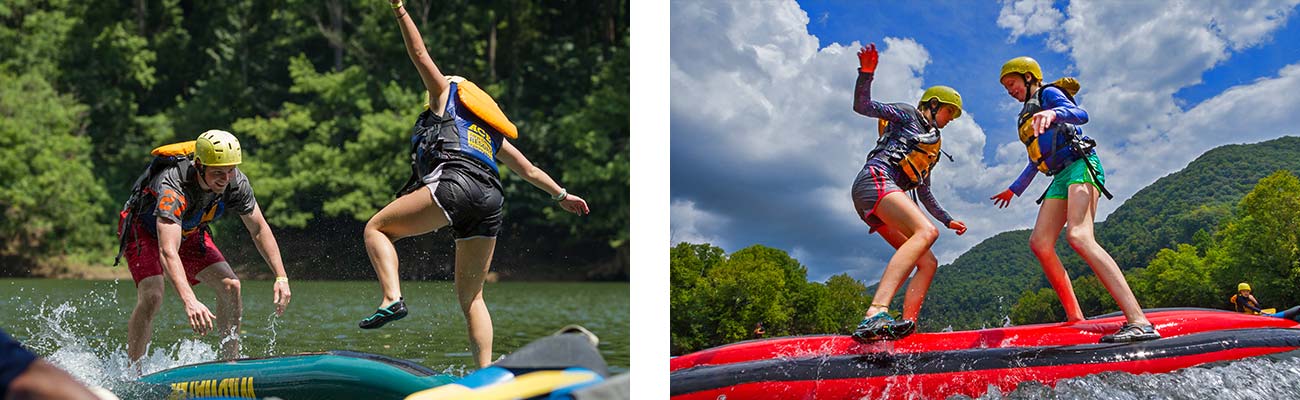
pixel 938 365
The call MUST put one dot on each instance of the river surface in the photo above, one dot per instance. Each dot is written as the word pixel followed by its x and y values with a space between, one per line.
pixel 81 325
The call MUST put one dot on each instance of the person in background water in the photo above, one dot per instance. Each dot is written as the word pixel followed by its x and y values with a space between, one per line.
pixel 1244 301
pixel 906 151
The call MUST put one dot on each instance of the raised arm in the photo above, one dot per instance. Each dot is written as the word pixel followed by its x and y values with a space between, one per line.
pixel 862 102
pixel 433 79
pixel 520 164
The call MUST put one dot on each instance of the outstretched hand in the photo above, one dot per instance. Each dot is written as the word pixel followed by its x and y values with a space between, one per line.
pixel 281 296
pixel 867 58
pixel 958 226
pixel 1002 199
pixel 575 204
pixel 199 316
pixel 1042 120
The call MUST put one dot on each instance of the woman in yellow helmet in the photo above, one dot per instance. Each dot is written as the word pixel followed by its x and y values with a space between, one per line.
pixel 907 150
pixel 456 155
pixel 1049 128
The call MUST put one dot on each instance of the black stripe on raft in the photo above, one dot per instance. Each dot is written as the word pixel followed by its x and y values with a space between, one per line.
pixel 869 365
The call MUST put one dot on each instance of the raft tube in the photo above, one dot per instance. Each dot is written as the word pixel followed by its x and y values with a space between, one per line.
pixel 553 368
pixel 970 363
pixel 327 375
pixel 560 366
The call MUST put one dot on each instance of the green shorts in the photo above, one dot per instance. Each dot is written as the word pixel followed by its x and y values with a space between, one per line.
pixel 1076 172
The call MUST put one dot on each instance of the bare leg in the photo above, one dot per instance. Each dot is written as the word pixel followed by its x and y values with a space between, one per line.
pixel 230 305
pixel 1083 208
pixel 920 285
pixel 473 259
pixel 900 213
pixel 149 295
pixel 413 214
pixel 1051 218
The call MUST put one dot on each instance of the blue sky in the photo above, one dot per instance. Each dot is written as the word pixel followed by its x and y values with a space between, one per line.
pixel 765 144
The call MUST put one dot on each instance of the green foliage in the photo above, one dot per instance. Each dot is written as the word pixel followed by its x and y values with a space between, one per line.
pixel 716 299
pixel 1176 278
pixel 1036 307
pixel 49 201
pixel 1260 245
pixel 1173 208
pixel 323 96
pixel 1188 206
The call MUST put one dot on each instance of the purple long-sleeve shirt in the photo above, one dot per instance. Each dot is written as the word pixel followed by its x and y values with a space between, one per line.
pixel 909 122
pixel 1066 112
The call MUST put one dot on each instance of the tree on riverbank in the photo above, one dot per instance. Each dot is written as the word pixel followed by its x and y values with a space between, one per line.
pixel 322 95
pixel 717 298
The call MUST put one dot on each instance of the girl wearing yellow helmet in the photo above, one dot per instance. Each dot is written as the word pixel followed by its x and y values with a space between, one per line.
pixel 1056 145
pixel 907 150
pixel 456 157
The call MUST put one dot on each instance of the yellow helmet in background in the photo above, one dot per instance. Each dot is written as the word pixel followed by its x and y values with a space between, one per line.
pixel 1022 65
pixel 1243 286
pixel 217 148
pixel 944 95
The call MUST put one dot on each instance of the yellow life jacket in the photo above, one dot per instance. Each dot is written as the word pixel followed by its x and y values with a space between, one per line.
pixel 1240 309
pixel 481 104
pixel 1049 144
pixel 921 158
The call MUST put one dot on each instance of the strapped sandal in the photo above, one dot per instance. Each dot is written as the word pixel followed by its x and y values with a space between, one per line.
pixel 1132 333
pixel 382 316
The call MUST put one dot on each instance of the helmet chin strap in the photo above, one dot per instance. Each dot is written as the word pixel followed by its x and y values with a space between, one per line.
pixel 933 105
pixel 1025 77
pixel 203 177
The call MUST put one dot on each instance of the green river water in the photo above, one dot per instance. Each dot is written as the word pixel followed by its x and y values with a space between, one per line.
pixel 81 325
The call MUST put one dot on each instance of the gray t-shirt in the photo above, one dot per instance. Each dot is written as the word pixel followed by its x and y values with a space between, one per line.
pixel 180 199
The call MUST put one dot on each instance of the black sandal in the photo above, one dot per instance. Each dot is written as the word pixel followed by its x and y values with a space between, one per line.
pixel 382 316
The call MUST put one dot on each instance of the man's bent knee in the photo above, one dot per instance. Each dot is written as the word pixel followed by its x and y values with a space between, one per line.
pixel 230 287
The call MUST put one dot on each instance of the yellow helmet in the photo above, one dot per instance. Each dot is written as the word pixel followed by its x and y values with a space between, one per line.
pixel 943 94
pixel 1243 286
pixel 217 148
pixel 1022 65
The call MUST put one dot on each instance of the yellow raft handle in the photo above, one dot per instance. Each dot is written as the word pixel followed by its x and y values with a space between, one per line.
pixel 524 386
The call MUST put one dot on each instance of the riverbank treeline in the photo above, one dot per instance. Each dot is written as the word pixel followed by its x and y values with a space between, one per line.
pixel 322 96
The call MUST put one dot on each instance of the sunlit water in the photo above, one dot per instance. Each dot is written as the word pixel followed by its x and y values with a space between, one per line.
pixel 81 325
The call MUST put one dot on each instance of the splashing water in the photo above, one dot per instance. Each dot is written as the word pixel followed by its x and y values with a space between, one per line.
pixel 270 323
pixel 1268 377
pixel 99 358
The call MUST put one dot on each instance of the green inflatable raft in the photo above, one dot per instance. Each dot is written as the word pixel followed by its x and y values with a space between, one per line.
pixel 327 375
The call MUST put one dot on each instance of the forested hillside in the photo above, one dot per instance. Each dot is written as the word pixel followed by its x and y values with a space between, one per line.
pixel 322 96
pixel 982 286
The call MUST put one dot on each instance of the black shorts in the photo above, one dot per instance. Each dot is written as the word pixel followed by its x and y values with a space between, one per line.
pixel 471 200
pixel 14 359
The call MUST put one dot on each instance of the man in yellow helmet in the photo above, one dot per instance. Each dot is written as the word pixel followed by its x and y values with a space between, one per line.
pixel 164 230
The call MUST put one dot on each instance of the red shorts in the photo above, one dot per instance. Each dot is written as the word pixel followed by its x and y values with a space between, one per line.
pixel 197 252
